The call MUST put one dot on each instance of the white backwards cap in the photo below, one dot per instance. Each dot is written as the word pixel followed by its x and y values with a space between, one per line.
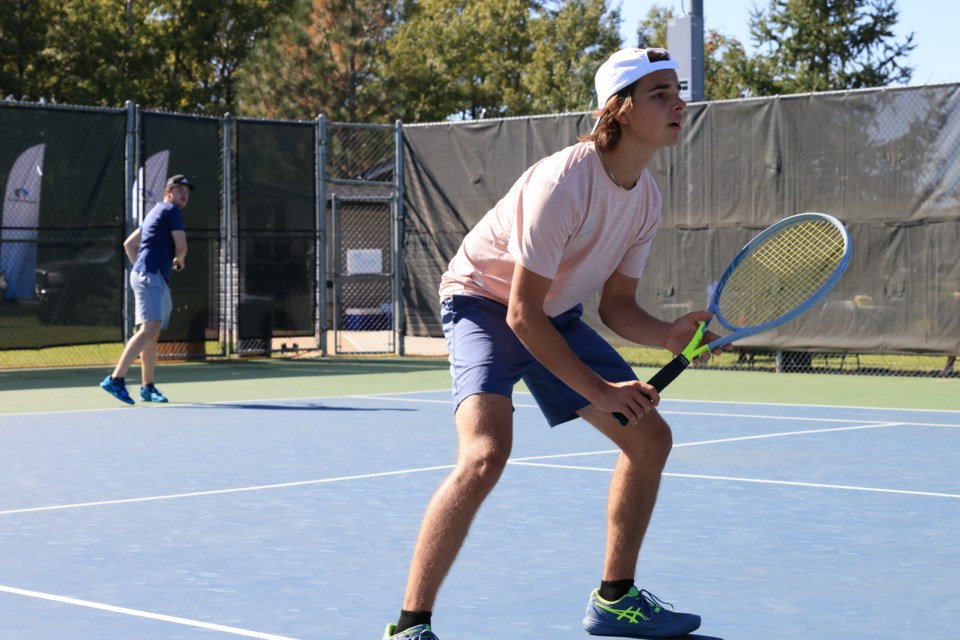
pixel 626 66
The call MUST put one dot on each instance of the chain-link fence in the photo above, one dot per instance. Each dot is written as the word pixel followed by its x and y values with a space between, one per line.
pixel 312 238
pixel 61 239
pixel 364 180
pixel 363 276
pixel 260 278
pixel 276 236
pixel 190 145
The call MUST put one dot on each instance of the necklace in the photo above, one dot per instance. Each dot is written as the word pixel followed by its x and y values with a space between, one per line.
pixel 603 163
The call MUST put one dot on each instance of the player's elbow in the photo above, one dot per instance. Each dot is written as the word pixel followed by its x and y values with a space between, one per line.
pixel 519 321
pixel 603 311
pixel 514 318
pixel 608 311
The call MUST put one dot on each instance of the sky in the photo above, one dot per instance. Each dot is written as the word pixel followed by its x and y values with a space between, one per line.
pixel 934 23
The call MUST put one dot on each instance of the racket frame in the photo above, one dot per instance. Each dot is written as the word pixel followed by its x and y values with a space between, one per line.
pixel 694 349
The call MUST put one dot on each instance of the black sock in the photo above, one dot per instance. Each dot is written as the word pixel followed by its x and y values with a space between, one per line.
pixel 613 590
pixel 411 619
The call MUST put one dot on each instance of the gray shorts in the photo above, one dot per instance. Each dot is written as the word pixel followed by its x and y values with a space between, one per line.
pixel 487 357
pixel 152 295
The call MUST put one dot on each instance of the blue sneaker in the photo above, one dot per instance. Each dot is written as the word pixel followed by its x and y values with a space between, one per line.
pixel 639 614
pixel 419 632
pixel 117 388
pixel 150 393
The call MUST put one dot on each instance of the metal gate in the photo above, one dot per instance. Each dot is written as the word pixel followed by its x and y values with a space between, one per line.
pixel 365 294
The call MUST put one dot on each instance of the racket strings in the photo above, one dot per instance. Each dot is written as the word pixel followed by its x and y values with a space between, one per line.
pixel 782 273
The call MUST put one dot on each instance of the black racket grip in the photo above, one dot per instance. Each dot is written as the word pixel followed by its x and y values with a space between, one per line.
pixel 661 379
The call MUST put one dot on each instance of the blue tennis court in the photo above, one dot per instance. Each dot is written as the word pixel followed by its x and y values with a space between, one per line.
pixel 295 519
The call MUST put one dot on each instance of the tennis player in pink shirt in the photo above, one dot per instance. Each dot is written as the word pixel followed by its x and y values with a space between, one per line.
pixel 577 222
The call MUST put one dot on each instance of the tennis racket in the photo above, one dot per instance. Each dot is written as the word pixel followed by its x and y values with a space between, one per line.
pixel 777 276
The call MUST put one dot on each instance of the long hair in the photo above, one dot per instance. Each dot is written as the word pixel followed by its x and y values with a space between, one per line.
pixel 606 133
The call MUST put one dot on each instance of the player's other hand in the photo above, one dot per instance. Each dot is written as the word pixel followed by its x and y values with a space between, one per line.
pixel 633 398
pixel 178 264
pixel 682 330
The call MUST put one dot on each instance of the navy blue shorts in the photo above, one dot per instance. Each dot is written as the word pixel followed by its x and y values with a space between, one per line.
pixel 487 357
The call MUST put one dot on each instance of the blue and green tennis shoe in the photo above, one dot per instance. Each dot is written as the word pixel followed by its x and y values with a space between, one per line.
pixel 639 614
pixel 419 632
pixel 117 388
pixel 150 393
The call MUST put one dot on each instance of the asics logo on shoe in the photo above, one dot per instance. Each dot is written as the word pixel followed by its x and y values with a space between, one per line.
pixel 633 614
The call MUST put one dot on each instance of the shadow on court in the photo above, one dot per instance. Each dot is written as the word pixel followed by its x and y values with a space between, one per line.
pixel 215 371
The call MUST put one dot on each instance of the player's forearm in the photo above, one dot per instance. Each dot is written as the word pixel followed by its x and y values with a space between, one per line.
pixel 546 344
pixel 633 323
pixel 130 246
pixel 179 245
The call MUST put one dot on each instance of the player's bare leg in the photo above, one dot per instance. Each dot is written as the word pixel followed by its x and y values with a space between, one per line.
pixel 485 432
pixel 149 331
pixel 148 359
pixel 644 448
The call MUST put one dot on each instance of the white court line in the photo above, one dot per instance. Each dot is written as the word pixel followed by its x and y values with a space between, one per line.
pixel 710 402
pixel 711 414
pixel 406 471
pixel 719 440
pixel 752 480
pixel 214 492
pixel 791 433
pixel 818 406
pixel 143 614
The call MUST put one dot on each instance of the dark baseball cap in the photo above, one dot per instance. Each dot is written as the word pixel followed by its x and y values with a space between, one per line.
pixel 181 180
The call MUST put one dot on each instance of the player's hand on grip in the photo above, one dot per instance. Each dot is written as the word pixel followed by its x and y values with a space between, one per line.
pixel 683 329
pixel 632 399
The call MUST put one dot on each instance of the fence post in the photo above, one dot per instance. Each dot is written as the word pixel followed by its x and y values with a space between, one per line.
pixel 131 165
pixel 321 233
pixel 398 312
pixel 228 315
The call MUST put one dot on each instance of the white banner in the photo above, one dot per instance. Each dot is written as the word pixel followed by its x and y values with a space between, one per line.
pixel 155 169
pixel 20 221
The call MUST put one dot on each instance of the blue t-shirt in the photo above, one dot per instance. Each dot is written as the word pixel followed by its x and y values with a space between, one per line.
pixel 156 240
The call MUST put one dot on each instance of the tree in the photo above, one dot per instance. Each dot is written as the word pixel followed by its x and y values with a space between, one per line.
pixel 725 65
pixel 569 43
pixel 823 45
pixel 99 52
pixel 460 58
pixel 23 34
pixel 652 30
pixel 321 58
pixel 206 41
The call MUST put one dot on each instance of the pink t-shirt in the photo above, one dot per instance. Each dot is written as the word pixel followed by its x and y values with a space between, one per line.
pixel 564 219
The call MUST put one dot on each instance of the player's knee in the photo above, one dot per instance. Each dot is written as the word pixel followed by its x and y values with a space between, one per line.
pixel 150 329
pixel 653 444
pixel 485 468
pixel 662 444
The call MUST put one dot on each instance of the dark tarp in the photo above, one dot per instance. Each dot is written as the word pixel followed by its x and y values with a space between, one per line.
pixel 886 162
